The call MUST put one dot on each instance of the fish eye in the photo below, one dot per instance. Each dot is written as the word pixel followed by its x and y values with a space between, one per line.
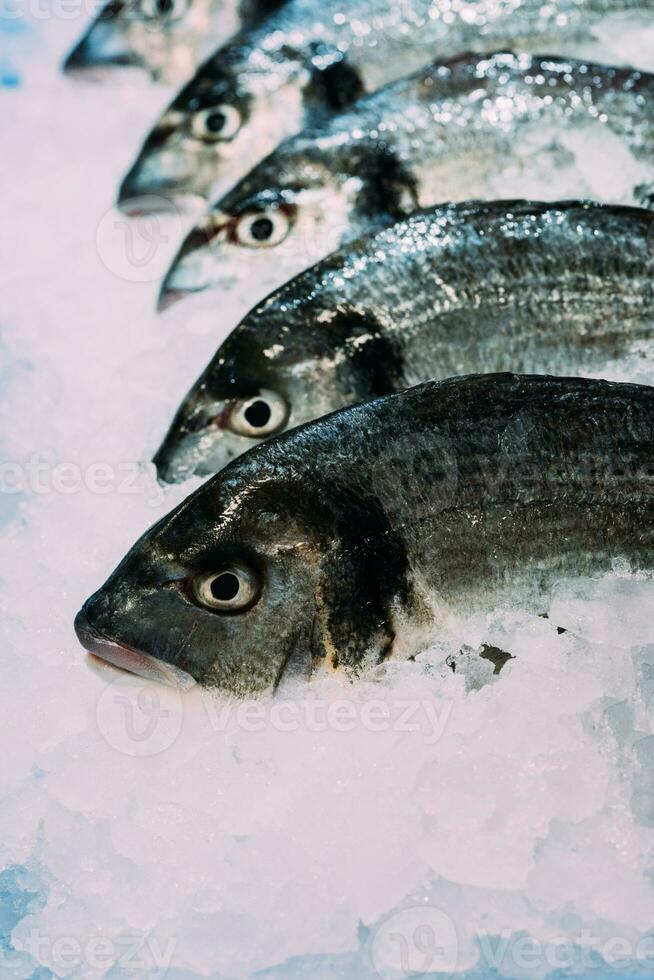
pixel 160 9
pixel 263 229
pixel 233 589
pixel 259 416
pixel 220 122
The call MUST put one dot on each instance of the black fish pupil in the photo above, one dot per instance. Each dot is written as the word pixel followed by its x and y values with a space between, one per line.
pixel 258 414
pixel 225 587
pixel 261 229
pixel 165 6
pixel 215 121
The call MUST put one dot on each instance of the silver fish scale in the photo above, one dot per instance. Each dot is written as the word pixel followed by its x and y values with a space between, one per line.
pixel 370 525
pixel 472 288
pixel 310 60
pixel 470 128
pixel 385 39
pixel 485 478
pixel 525 286
pixel 464 116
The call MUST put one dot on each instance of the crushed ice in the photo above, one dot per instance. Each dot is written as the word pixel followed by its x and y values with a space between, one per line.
pixel 438 817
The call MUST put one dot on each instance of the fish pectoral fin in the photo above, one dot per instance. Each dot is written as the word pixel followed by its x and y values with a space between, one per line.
pixel 323 650
pixel 373 363
pixel 297 665
pixel 334 85
pixel 389 186
pixel 319 647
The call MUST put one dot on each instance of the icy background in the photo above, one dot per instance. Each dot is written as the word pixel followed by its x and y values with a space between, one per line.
pixel 457 823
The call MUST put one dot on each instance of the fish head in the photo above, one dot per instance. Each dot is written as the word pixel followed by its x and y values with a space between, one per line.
pixel 299 355
pixel 247 394
pixel 160 37
pixel 229 116
pixel 291 211
pixel 222 591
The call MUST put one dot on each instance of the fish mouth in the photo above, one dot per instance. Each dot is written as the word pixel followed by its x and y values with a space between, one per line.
pixel 89 61
pixel 186 275
pixel 170 471
pixel 166 198
pixel 135 202
pixel 169 295
pixel 128 658
pixel 91 74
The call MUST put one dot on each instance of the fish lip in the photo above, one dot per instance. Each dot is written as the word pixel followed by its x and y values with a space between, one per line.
pixel 128 658
pixel 146 201
pixel 91 74
pixel 168 473
pixel 84 63
pixel 171 291
pixel 168 296
pixel 139 201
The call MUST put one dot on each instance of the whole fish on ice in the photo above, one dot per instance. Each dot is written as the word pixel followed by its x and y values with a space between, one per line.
pixel 356 537
pixel 557 288
pixel 473 127
pixel 165 38
pixel 315 57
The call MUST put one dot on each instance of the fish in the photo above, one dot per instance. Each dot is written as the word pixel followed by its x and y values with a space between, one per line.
pixel 363 535
pixel 532 287
pixel 473 127
pixel 166 39
pixel 314 58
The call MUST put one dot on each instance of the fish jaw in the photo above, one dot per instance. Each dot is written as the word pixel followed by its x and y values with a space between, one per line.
pixel 220 268
pixel 159 179
pixel 127 658
pixel 190 270
pixel 177 168
pixel 193 433
pixel 206 435
pixel 171 466
pixel 152 612
pixel 175 161
pixel 203 437
pixel 104 47
pixel 167 48
pixel 183 455
pixel 211 257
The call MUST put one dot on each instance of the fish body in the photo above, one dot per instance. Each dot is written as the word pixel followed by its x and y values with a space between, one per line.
pixel 463 288
pixel 478 126
pixel 312 58
pixel 356 537
pixel 167 39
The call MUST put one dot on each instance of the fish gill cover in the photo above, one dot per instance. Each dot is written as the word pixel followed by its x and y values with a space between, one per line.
pixel 439 818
